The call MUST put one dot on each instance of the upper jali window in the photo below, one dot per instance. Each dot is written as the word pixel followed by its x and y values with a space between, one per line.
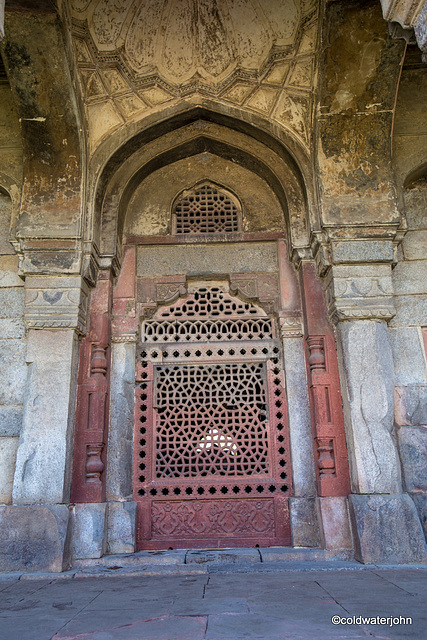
pixel 206 209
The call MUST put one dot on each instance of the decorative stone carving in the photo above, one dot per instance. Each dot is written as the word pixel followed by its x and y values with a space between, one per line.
pixel 291 327
pixel 325 456
pixel 256 54
pixel 169 291
pixel 316 347
pixel 360 292
pixel 56 303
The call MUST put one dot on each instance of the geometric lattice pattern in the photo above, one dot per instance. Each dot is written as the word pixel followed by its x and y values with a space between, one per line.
pixel 211 420
pixel 207 330
pixel 212 449
pixel 210 303
pixel 206 209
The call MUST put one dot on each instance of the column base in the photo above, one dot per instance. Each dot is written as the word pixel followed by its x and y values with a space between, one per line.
pixel 305 527
pixel 35 538
pixel 121 527
pixel 89 530
pixel 387 529
pixel 336 523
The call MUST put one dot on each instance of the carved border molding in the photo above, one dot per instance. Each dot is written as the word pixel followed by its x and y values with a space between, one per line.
pixel 56 303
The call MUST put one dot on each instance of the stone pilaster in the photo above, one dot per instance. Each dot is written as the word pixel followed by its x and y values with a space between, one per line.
pixel 122 403
pixel 360 302
pixel 300 433
pixel 55 309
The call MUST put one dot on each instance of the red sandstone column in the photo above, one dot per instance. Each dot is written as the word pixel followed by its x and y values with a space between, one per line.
pixel 91 430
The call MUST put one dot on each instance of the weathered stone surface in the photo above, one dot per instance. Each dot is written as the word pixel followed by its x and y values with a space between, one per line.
pixel 411 405
pixel 5 201
pixel 10 420
pixel 368 401
pixel 414 245
pixel 13 371
pixel 12 328
pixel 300 433
pixel 11 302
pixel 336 523
pixel 420 500
pixel 121 524
pixel 387 529
pixel 8 447
pixel 34 538
pixel 9 272
pixel 89 538
pixel 149 211
pixel 411 311
pixel 413 454
pixel 203 260
pixel 408 355
pixel 120 435
pixel 305 522
pixel 43 464
pixel 410 277
pixel 353 251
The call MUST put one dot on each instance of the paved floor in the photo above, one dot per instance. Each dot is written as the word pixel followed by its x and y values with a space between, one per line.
pixel 264 601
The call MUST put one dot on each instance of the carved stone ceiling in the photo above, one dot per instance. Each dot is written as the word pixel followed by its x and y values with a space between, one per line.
pixel 135 55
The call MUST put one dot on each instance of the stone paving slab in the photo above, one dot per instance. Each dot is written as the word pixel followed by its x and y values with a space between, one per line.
pixel 281 605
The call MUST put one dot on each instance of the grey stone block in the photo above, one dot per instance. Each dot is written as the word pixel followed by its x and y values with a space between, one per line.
pixel 11 302
pixel 13 371
pixel 408 356
pixel 413 454
pixel 8 447
pixel 387 529
pixel 305 522
pixel 10 420
pixel 410 277
pixel 34 538
pixel 362 251
pixel 411 311
pixel 414 245
pixel 121 526
pixel 420 501
pixel 89 530
pixel 12 328
pixel 196 260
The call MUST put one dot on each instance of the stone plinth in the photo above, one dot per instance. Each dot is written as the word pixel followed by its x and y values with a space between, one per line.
pixel 89 530
pixel 387 529
pixel 34 538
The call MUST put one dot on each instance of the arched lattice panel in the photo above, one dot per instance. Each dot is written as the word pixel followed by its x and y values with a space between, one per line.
pixel 212 463
pixel 206 209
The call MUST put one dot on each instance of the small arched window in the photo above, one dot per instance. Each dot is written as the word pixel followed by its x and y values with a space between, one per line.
pixel 204 209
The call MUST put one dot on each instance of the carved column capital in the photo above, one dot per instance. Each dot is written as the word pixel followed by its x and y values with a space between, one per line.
pixel 291 326
pixel 360 292
pixel 56 302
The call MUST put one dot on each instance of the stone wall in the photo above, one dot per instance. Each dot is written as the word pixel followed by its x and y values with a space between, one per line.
pixel 12 330
pixel 12 353
pixel 410 280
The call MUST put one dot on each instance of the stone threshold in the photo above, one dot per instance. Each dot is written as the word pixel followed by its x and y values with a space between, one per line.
pixel 217 556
